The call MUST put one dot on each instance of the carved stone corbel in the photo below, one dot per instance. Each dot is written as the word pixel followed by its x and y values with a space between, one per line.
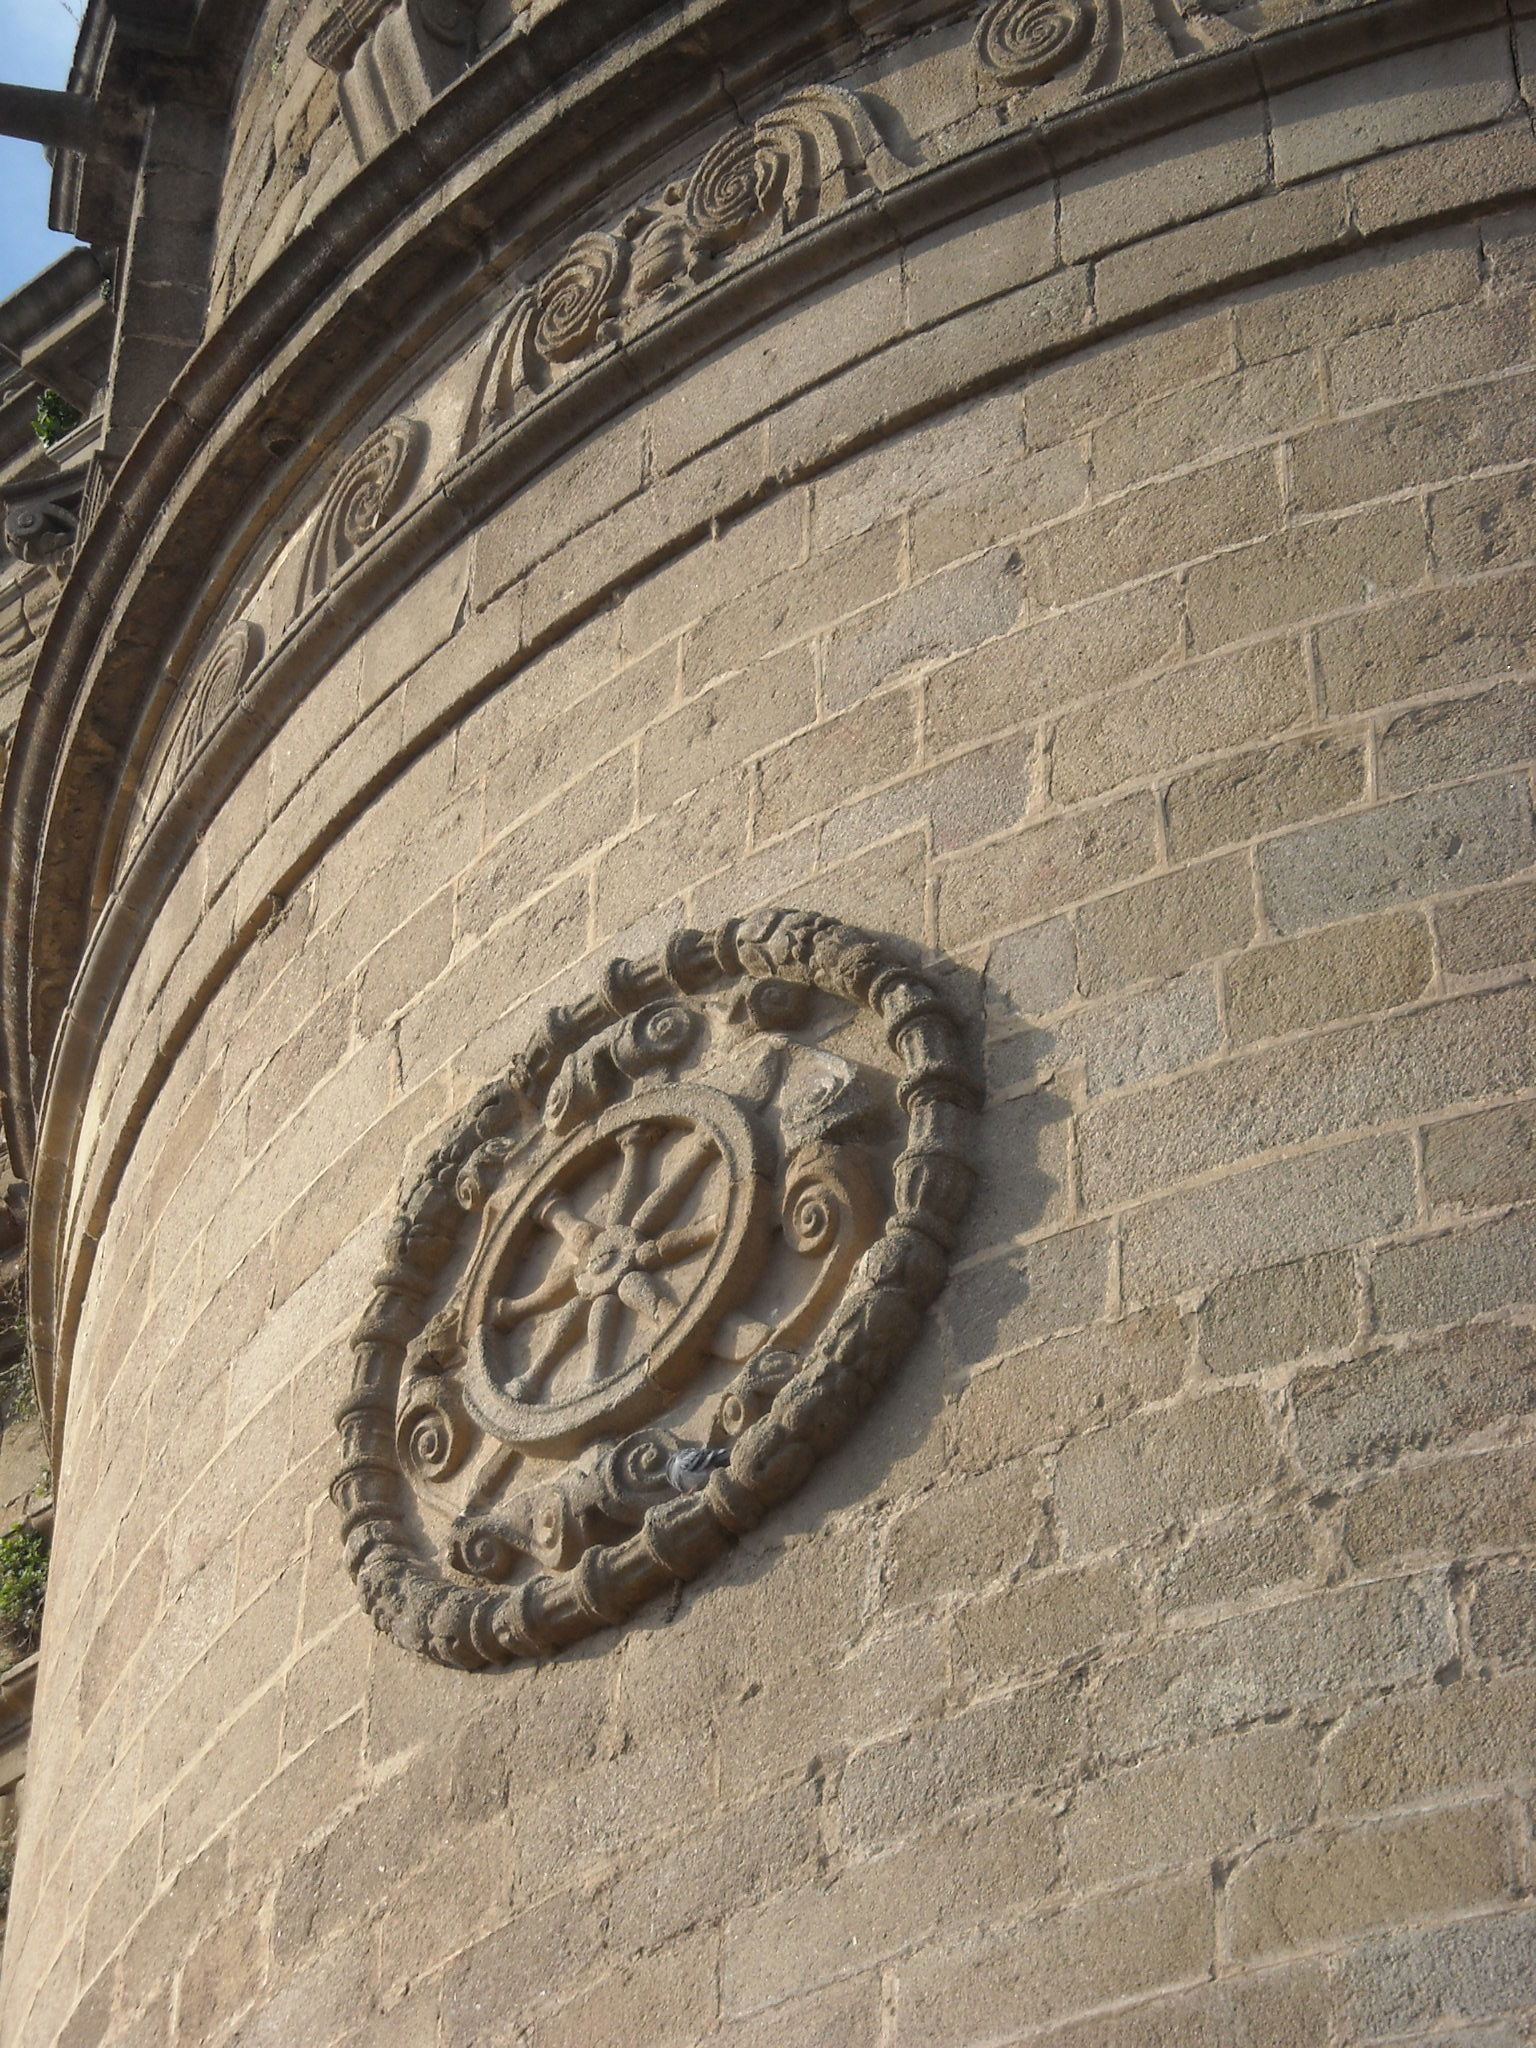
pixel 42 523
pixel 392 58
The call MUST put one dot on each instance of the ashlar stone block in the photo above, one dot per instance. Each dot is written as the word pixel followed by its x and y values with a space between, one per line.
pixel 1328 1884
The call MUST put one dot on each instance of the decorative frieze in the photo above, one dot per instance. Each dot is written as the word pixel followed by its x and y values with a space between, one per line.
pixel 815 152
pixel 368 488
pixel 648 1281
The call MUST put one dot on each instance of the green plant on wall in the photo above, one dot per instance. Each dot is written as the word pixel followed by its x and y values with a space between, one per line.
pixel 54 417
pixel 18 1395
pixel 18 1398
pixel 23 1584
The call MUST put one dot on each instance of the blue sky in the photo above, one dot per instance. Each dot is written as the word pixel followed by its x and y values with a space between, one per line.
pixel 37 39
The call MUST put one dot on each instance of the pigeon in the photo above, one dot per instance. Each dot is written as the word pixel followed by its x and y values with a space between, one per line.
pixel 688 1471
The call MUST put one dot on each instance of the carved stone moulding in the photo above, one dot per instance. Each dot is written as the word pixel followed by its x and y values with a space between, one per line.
pixel 647 1281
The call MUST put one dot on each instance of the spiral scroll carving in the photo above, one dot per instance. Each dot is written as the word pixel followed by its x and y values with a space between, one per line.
pixel 736 188
pixel 812 1216
pixel 578 298
pixel 661 1311
pixel 481 1551
pixel 433 1442
pixel 221 678
pixel 368 489
pixel 1025 42
pixel 216 688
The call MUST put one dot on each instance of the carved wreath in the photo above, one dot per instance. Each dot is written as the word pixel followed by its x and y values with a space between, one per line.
pixel 647 1281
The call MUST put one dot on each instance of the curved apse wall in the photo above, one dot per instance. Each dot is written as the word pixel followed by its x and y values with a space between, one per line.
pixel 1048 486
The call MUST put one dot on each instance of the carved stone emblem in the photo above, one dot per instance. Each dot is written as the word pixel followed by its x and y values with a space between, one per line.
pixel 647 1281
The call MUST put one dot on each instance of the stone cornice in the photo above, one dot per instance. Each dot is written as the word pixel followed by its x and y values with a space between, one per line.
pixel 272 365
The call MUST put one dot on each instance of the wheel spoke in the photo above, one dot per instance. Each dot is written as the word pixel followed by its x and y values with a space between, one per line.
pixel 569 1324
pixel 557 1286
pixel 495 1469
pixel 678 1181
pixel 650 1298
pixel 577 1233
pixel 635 1144
pixel 575 1315
pixel 673 1246
pixel 602 1338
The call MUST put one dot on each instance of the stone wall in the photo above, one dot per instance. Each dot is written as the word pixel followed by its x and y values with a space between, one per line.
pixel 1155 1661
pixel 287 150
pixel 290 153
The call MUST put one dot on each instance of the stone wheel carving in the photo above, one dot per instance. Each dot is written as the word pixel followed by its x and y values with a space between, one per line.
pixel 640 1233
pixel 646 1281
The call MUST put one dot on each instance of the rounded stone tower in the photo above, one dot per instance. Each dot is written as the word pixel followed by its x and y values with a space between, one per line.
pixel 770 902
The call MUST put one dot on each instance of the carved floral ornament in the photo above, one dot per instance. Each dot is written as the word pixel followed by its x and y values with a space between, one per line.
pixel 647 1281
